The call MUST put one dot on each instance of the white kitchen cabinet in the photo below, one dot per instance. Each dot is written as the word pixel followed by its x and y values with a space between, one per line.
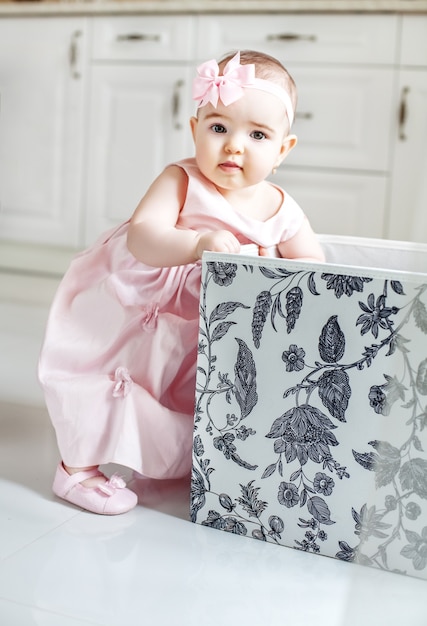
pixel 149 38
pixel 91 110
pixel 337 203
pixel 344 70
pixel 339 170
pixel 139 111
pixel 408 195
pixel 136 127
pixel 343 118
pixel 305 38
pixel 42 78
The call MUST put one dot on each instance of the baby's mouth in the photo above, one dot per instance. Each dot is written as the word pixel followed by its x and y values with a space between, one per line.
pixel 229 165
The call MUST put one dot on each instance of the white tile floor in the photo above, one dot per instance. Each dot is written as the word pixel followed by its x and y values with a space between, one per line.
pixel 63 567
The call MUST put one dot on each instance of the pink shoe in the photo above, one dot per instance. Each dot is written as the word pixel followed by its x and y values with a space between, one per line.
pixel 109 498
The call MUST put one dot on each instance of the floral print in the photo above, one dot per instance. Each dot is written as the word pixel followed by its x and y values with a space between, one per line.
pixel 303 433
pixel 288 494
pixel 325 432
pixel 416 549
pixel 342 284
pixel 223 273
pixel 323 484
pixel 293 358
pixel 376 315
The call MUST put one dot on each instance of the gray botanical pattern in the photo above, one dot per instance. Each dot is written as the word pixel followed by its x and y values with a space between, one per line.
pixel 311 410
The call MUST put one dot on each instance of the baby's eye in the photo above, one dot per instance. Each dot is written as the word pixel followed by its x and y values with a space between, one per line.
pixel 218 128
pixel 258 135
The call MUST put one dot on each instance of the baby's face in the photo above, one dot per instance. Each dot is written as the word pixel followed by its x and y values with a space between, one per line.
pixel 238 146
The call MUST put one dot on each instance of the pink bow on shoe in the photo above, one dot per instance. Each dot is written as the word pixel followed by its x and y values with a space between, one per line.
pixel 109 498
pixel 209 86
pixel 109 488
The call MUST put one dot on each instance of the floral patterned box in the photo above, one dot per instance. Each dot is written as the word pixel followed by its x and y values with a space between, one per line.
pixel 311 402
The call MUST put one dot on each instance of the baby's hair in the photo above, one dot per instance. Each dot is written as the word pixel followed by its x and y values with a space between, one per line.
pixel 266 67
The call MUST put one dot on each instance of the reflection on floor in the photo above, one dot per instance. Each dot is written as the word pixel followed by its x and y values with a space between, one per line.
pixel 61 566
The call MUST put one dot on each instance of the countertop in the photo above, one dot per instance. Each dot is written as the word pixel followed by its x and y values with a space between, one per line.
pixel 106 7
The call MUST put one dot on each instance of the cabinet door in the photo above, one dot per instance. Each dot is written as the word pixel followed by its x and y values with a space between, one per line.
pixel 338 203
pixel 138 124
pixel 414 41
pixel 41 128
pixel 343 118
pixel 408 202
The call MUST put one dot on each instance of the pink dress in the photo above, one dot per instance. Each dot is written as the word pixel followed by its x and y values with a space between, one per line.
pixel 118 362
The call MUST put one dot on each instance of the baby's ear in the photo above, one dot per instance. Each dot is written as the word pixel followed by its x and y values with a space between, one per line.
pixel 289 142
pixel 193 125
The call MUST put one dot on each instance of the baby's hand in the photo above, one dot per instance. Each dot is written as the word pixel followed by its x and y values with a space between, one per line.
pixel 217 241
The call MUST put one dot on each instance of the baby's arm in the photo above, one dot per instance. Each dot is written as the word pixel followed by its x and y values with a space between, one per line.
pixel 303 245
pixel 153 237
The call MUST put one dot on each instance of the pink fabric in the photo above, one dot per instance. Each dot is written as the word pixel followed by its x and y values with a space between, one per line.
pixel 119 357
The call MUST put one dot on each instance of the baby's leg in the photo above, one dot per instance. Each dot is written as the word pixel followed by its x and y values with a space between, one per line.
pixel 89 482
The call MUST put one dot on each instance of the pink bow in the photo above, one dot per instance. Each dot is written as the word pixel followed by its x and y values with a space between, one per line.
pixel 123 382
pixel 109 488
pixel 209 86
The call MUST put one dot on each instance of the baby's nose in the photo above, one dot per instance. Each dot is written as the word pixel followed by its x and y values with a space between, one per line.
pixel 234 145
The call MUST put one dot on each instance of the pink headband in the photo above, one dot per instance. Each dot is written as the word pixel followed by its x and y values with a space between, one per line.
pixel 209 86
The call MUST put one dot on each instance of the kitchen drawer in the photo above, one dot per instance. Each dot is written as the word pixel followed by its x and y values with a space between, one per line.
pixel 344 117
pixel 306 38
pixel 338 203
pixel 143 38
pixel 414 40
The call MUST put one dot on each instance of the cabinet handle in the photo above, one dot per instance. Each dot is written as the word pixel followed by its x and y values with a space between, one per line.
pixel 291 37
pixel 73 54
pixel 304 115
pixel 176 104
pixel 138 37
pixel 403 113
